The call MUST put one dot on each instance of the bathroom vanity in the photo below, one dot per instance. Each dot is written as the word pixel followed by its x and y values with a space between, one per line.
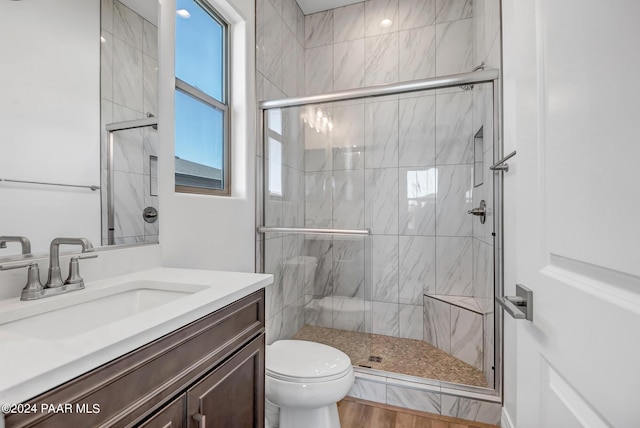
pixel 194 359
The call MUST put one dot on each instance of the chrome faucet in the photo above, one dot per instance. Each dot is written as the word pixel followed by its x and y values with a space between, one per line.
pixel 55 277
pixel 23 240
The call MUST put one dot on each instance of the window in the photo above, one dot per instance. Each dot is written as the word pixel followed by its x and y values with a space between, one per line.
pixel 201 100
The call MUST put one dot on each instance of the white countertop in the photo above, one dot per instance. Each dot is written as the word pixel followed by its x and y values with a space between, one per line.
pixel 30 366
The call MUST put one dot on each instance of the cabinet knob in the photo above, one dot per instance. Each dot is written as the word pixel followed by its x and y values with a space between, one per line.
pixel 201 419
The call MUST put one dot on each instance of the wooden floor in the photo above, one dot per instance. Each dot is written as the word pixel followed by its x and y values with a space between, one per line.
pixel 364 414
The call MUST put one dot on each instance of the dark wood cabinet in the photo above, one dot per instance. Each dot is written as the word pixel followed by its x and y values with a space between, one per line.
pixel 232 395
pixel 214 365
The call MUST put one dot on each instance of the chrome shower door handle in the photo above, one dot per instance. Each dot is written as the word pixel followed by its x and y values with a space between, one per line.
pixel 519 306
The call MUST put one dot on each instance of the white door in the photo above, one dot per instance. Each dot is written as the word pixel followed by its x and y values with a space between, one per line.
pixel 572 111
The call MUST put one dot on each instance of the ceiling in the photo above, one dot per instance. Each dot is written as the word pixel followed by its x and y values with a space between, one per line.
pixel 313 6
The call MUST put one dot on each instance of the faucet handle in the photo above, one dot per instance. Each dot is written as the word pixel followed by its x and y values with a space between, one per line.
pixel 74 270
pixel 33 289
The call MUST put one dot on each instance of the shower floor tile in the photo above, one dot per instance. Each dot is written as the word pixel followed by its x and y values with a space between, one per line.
pixel 404 356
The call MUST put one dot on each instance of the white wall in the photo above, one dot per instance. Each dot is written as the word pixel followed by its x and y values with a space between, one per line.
pixel 199 231
pixel 49 119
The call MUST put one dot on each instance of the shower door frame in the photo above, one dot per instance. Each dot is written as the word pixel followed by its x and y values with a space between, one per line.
pixel 488 76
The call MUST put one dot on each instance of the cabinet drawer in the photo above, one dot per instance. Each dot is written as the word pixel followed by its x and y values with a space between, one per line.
pixel 129 388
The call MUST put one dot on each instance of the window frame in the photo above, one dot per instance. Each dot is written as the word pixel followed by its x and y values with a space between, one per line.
pixel 224 107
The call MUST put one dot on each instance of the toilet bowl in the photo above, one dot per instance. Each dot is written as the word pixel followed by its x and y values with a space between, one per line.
pixel 306 380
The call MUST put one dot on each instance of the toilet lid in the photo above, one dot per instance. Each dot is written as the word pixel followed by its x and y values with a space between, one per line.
pixel 299 360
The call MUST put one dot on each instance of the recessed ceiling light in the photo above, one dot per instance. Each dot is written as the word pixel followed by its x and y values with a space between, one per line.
pixel 386 23
pixel 183 13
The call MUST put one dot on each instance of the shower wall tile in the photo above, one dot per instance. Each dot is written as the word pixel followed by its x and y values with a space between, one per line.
pixel 129 197
pixel 150 85
pixel 318 70
pixel 128 151
pixel 127 25
pixel 417 131
pixel 273 47
pixel 453 10
pixel 348 65
pixel 453 200
pixel 474 410
pixel 381 59
pixel 385 319
pixel 411 322
pixel 319 311
pixel 482 269
pixel 384 259
pixel 454 45
pixel 437 323
pixel 273 328
pixel 127 75
pixel 150 39
pixel 369 390
pixel 322 249
pixel 277 5
pixel 292 318
pixel 377 10
pixel 318 29
pixel 317 147
pixel 414 399
pixel 291 270
pixel 293 132
pixel 301 29
pixel 349 314
pixel 381 199
pixel 348 267
pixel 121 113
pixel 454 266
pixel 417 200
pixel 381 134
pixel 417 270
pixel 291 50
pixel 348 199
pixel 318 199
pixel 291 181
pixel 416 13
pixel 467 337
pixel 106 15
pixel 106 67
pixel 454 128
pixel 417 53
pixel 348 23
pixel 273 262
pixel 260 38
pixel 348 136
pixel 290 16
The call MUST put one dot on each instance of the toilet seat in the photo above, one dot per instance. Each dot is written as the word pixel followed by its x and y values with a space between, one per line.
pixel 306 362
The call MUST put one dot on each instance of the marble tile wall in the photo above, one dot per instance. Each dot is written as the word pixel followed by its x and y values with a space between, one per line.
pixel 280 37
pixel 431 397
pixel 352 47
pixel 128 64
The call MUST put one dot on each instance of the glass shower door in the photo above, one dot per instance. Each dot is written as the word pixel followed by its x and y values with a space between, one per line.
pixel 316 244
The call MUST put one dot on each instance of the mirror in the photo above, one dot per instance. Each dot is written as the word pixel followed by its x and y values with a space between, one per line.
pixel 71 68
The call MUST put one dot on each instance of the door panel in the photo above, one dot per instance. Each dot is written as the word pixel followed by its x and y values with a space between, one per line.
pixel 570 110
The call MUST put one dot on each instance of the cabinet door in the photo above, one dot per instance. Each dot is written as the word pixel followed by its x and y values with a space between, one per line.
pixel 232 396
pixel 170 416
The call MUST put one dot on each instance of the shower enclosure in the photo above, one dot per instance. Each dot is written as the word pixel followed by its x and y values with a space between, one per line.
pixel 364 219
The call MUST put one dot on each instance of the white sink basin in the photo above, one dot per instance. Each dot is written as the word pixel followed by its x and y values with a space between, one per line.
pixel 79 312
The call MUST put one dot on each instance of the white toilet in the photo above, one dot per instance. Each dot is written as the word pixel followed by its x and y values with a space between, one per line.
pixel 306 380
